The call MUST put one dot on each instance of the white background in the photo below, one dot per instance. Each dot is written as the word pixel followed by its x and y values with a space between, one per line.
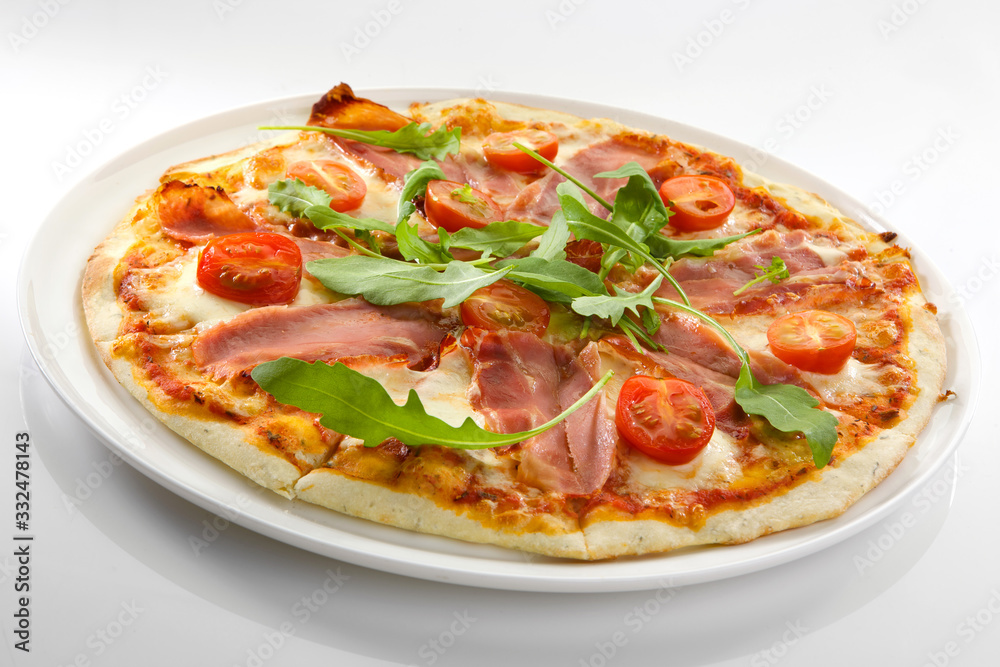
pixel 893 101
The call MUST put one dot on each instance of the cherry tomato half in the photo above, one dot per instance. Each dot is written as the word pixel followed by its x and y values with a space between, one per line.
pixel 698 202
pixel 505 305
pixel 669 420
pixel 456 205
pixel 499 150
pixel 258 268
pixel 813 340
pixel 346 189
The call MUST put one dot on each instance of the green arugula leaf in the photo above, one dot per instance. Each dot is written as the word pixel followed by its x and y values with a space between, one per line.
pixel 775 273
pixel 293 196
pixel 789 409
pixel 662 247
pixel 499 239
pixel 414 185
pixel 412 247
pixel 296 198
pixel 554 280
pixel 638 210
pixel 356 405
pixel 552 244
pixel 384 281
pixel 614 307
pixel 415 139
pixel 325 217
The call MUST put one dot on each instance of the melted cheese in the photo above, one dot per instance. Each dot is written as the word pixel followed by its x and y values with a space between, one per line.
pixel 715 466
pixel 855 379
pixel 176 301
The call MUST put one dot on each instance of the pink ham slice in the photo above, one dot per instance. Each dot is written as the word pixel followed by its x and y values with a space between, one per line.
pixel 519 382
pixel 327 332
pixel 538 202
pixel 195 213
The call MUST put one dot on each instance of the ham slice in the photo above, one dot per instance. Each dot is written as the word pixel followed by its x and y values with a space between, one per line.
pixel 520 382
pixel 195 213
pixel 327 332
pixel 538 202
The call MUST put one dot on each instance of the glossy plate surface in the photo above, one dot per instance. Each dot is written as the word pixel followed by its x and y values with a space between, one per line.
pixel 54 326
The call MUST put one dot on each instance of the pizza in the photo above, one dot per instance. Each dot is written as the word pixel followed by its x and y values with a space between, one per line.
pixel 519 327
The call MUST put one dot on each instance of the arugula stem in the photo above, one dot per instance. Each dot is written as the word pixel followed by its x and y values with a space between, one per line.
pixel 354 244
pixel 670 279
pixel 562 172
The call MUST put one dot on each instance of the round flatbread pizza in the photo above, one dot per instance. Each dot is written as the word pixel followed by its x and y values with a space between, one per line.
pixel 515 326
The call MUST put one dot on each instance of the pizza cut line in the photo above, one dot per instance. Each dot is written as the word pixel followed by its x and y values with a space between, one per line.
pixel 514 326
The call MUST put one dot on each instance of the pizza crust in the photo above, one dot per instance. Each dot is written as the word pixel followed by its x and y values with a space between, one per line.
pixel 365 500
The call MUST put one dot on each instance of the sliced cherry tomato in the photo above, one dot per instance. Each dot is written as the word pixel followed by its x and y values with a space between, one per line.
pixel 258 268
pixel 505 305
pixel 346 189
pixel 669 420
pixel 813 340
pixel 698 202
pixel 499 150
pixel 456 205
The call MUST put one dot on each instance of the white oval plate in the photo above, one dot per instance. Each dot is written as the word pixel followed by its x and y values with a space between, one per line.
pixel 53 323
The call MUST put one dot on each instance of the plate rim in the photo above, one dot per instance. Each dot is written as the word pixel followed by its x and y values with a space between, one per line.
pixel 560 576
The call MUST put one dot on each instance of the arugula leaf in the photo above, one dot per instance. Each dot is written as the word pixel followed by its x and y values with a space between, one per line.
pixel 638 210
pixel 500 239
pixel 555 280
pixel 296 198
pixel 662 247
pixel 613 307
pixel 789 409
pixel 293 196
pixel 325 217
pixel 416 139
pixel 415 184
pixel 358 406
pixel 384 281
pixel 412 247
pixel 775 273
pixel 552 244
